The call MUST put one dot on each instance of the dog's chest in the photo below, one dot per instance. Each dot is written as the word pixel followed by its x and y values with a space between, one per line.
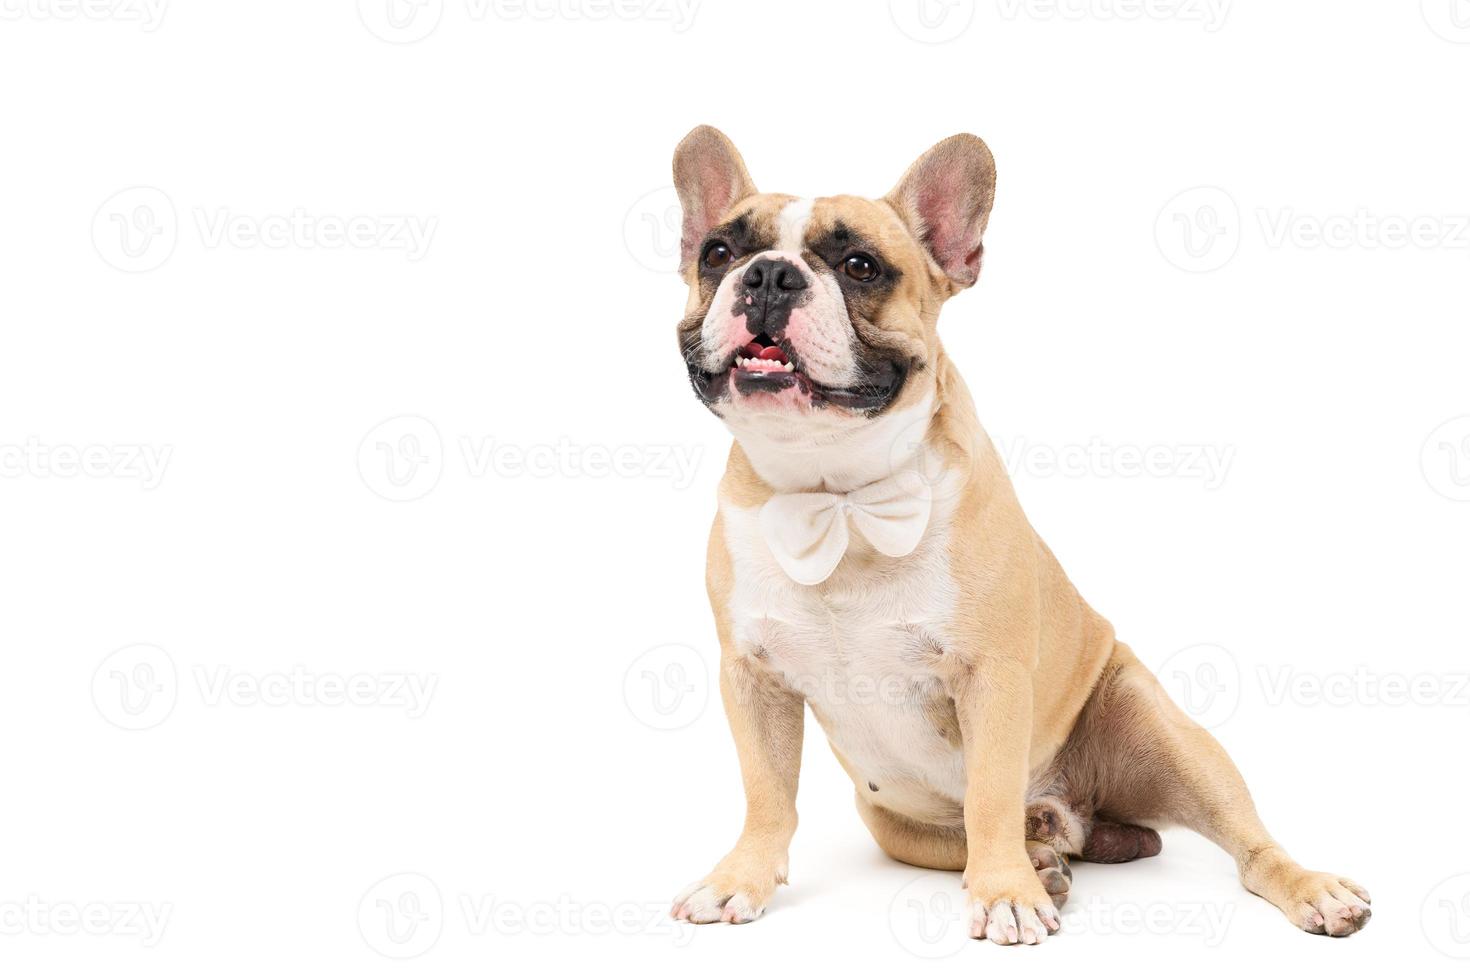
pixel 863 647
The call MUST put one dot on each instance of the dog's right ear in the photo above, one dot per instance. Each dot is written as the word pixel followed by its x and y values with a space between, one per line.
pixel 710 178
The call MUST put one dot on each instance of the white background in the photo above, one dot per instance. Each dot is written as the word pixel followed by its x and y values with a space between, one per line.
pixel 292 389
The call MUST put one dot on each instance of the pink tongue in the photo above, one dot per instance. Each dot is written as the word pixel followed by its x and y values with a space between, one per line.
pixel 773 354
pixel 753 349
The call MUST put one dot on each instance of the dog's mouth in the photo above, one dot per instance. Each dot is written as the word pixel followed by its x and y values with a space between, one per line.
pixel 766 366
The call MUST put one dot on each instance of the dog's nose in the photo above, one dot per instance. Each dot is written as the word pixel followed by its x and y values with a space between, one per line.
pixel 773 279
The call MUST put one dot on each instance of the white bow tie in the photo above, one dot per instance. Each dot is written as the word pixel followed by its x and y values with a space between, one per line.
pixel 807 532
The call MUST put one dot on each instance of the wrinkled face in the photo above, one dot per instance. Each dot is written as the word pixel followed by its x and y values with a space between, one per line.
pixel 809 315
pixel 805 306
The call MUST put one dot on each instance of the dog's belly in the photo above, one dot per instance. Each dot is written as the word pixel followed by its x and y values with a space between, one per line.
pixel 863 649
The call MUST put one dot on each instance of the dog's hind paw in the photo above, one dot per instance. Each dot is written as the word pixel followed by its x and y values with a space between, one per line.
pixel 1114 843
pixel 1053 869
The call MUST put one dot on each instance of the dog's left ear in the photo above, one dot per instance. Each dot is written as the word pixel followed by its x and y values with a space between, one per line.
pixel 710 178
pixel 945 198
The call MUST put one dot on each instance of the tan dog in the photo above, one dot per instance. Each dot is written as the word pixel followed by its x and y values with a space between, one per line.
pixel 870 559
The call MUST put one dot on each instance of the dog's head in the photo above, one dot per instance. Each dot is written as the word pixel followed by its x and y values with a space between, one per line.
pixel 821 313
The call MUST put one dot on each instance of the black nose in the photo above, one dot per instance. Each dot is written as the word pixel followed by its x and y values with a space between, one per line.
pixel 773 279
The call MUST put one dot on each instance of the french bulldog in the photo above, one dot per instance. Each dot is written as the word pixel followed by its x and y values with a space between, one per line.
pixel 869 558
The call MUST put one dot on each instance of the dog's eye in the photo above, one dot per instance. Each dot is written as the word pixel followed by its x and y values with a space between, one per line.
pixel 716 255
pixel 861 267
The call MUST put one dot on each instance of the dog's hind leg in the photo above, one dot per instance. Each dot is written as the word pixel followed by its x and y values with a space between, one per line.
pixel 1143 759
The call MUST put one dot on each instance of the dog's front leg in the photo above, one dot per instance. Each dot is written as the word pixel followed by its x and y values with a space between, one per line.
pixel 766 720
pixel 1007 901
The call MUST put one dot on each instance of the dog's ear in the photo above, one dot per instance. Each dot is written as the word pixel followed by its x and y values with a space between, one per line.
pixel 710 177
pixel 945 199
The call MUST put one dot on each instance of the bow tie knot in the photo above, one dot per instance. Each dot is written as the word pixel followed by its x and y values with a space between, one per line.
pixel 808 532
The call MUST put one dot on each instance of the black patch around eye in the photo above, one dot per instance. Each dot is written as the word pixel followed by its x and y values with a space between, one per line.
pixel 837 245
pixel 740 235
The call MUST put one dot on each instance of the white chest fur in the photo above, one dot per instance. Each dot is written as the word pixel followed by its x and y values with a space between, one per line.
pixel 862 647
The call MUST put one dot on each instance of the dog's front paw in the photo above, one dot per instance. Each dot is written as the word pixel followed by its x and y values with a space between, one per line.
pixel 736 891
pixel 1009 905
pixel 1327 904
